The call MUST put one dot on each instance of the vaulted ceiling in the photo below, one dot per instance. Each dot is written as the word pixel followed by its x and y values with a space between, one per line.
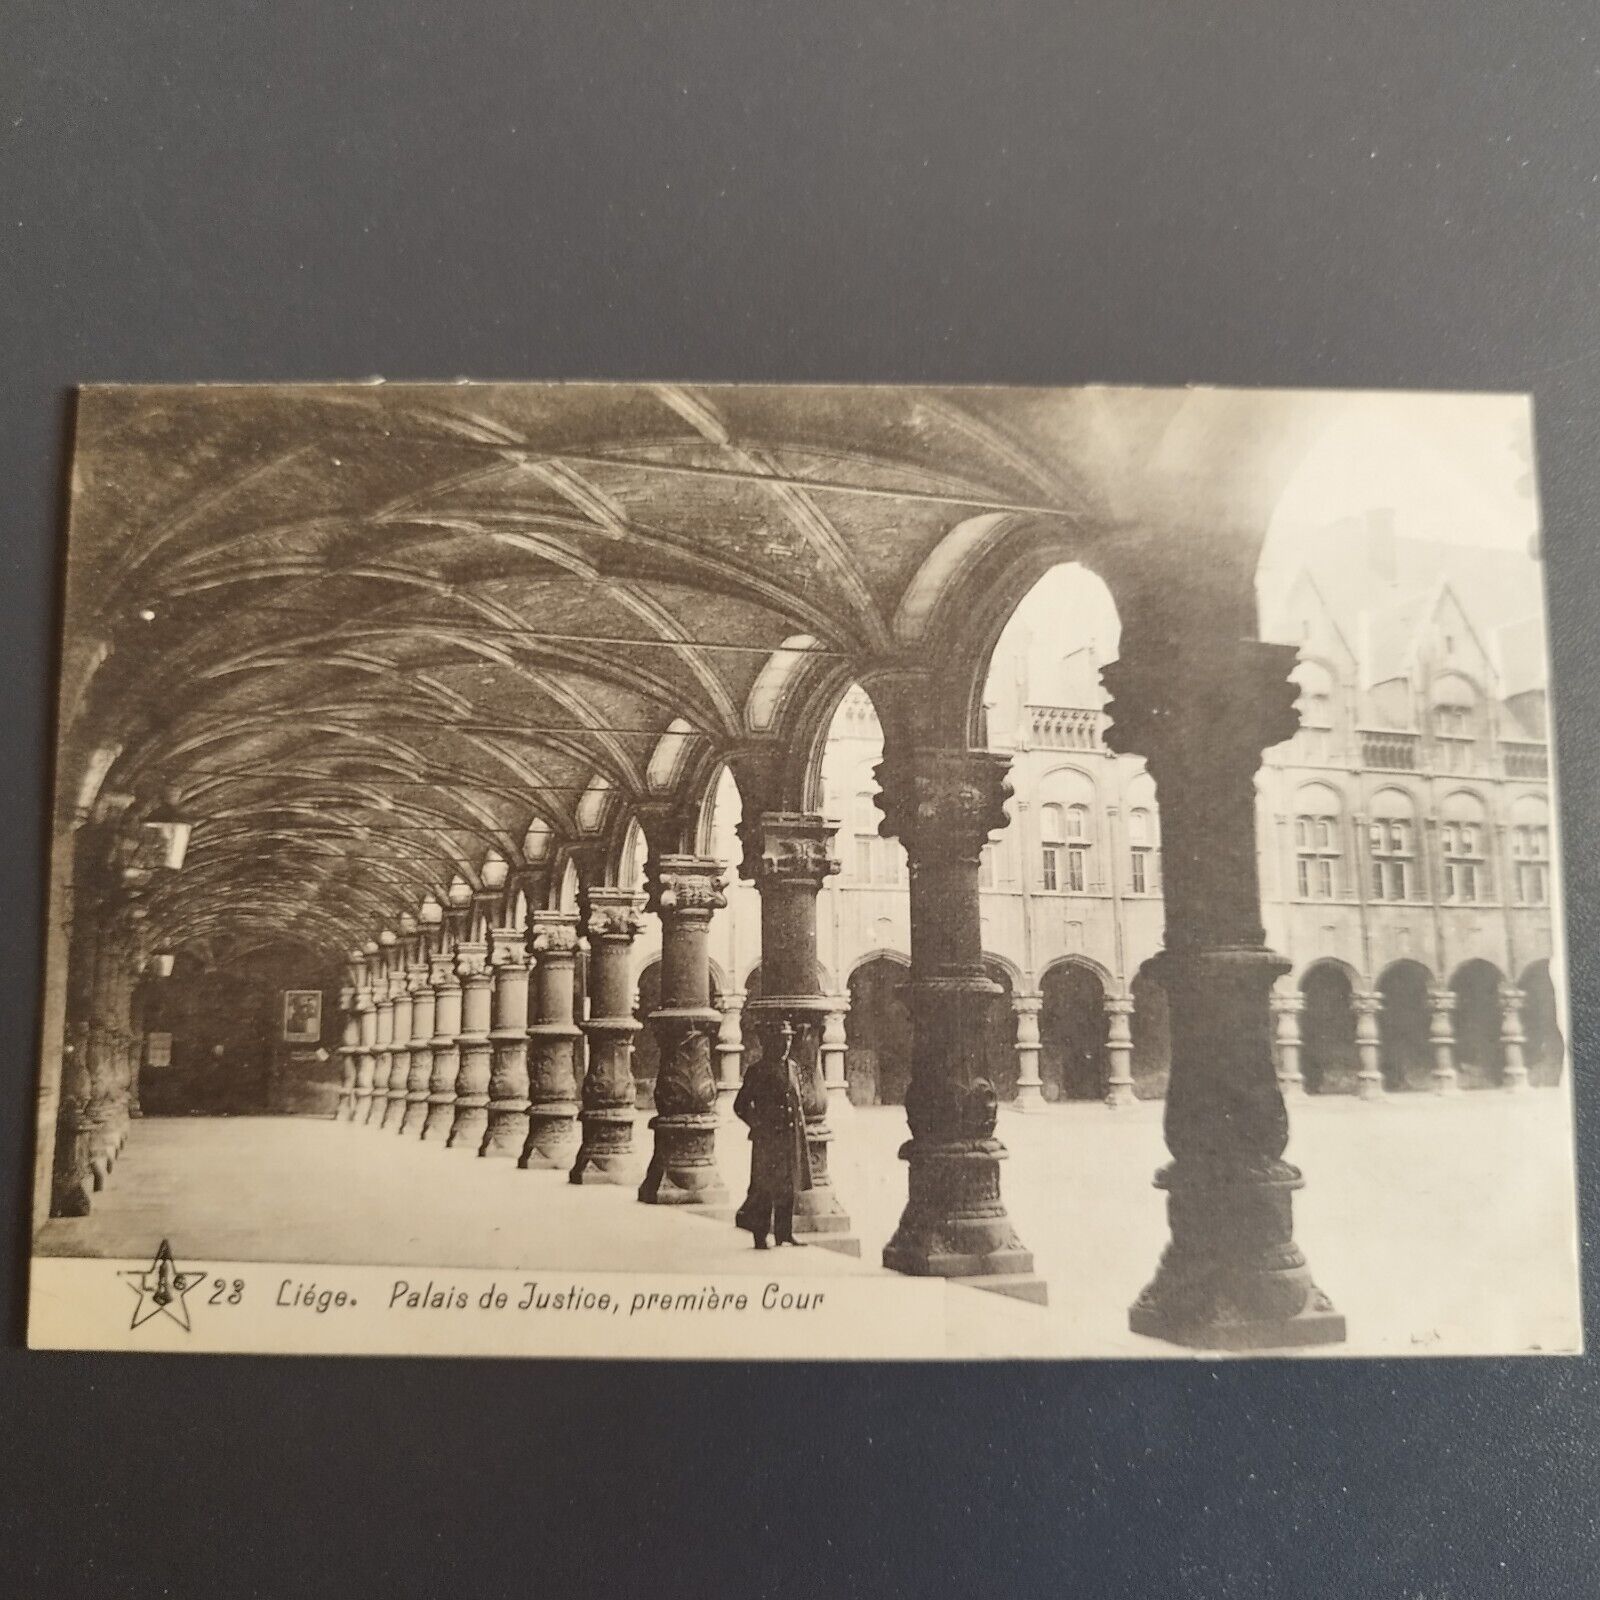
pixel 364 634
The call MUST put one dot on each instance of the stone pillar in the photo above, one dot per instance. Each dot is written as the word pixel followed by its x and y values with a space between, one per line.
pixel 1119 1051
pixel 1369 1046
pixel 506 1118
pixel 349 1048
pixel 787 856
pixel 400 1054
pixel 420 1076
pixel 605 1153
pixel 469 1116
pixel 445 1054
pixel 367 1043
pixel 835 1052
pixel 1025 1008
pixel 382 1050
pixel 730 1053
pixel 100 1120
pixel 684 891
pixel 1442 1037
pixel 552 1132
pixel 1514 1076
pixel 1201 708
pixel 1287 1007
pixel 942 804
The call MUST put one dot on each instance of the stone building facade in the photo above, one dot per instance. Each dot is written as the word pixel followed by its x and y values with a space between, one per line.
pixel 1404 848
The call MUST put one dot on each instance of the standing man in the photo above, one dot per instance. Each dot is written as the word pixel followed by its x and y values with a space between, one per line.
pixel 780 1165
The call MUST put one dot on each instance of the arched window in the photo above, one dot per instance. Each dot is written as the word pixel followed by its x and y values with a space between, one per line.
pixel 1392 839
pixel 1455 705
pixel 1463 844
pixel 1052 845
pixel 1319 854
pixel 1066 833
pixel 1316 705
pixel 1144 859
pixel 1530 850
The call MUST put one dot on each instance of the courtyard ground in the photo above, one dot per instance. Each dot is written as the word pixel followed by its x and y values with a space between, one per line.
pixel 1437 1226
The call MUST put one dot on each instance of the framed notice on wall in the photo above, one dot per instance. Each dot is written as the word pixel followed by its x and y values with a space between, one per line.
pixel 158 1049
pixel 302 1016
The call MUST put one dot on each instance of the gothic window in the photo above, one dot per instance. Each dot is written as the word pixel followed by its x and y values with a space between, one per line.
pixel 1530 850
pixel 1463 847
pixel 1392 840
pixel 1052 845
pixel 1144 860
pixel 1318 852
pixel 1455 704
pixel 1067 833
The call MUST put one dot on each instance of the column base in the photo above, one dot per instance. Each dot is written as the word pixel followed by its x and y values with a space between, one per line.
pixel 468 1126
pixel 436 1123
pixel 1446 1082
pixel 393 1111
pixel 727 1093
pixel 955 1224
pixel 683 1169
pixel 1030 1098
pixel 360 1109
pixel 1292 1088
pixel 1232 1277
pixel 505 1133
pixel 551 1134
pixel 1120 1095
pixel 606 1153
pixel 1515 1080
pixel 1370 1088
pixel 415 1113
pixel 840 1105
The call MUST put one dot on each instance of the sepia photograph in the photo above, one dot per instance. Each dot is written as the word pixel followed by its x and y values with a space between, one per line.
pixel 678 870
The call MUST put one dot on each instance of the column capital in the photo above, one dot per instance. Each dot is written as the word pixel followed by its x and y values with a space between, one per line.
pixel 1213 701
pixel 507 948
pixel 1287 1004
pixel 787 846
pixel 441 970
pixel 610 914
pixel 943 800
pixel 1119 1005
pixel 1367 1002
pixel 1512 997
pixel 685 886
pixel 553 933
pixel 1027 1005
pixel 472 959
pixel 1442 1001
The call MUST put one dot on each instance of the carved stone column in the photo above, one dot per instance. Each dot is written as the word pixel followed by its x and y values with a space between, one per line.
pixel 382 1050
pixel 787 856
pixel 1119 1051
pixel 1369 1047
pixel 730 1053
pixel 421 1073
pixel 1442 1039
pixel 684 891
pixel 367 1044
pixel 1025 1008
pixel 445 1055
pixel 552 1130
pixel 470 1114
pixel 835 1056
pixel 400 1053
pixel 1201 709
pixel 1514 1076
pixel 943 804
pixel 1287 1008
pixel 349 1049
pixel 506 1120
pixel 606 1154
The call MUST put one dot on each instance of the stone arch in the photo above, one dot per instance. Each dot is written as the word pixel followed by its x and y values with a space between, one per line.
pixel 878 1030
pixel 1404 1054
pixel 1073 1030
pixel 1544 1048
pixel 1328 1060
pixel 1480 1053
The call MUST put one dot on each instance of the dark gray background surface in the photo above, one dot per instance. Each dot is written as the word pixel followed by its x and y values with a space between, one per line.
pixel 1395 194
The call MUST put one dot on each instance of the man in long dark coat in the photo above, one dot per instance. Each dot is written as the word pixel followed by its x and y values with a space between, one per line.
pixel 780 1164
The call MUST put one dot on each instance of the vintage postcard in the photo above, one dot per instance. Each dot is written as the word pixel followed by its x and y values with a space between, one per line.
pixel 728 871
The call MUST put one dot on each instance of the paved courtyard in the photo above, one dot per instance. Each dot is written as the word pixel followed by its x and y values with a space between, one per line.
pixel 1436 1226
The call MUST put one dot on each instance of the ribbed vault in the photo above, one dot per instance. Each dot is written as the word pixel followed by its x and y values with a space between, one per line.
pixel 362 636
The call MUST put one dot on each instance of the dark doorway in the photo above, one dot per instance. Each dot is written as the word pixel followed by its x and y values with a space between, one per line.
pixel 1072 1034
pixel 1328 1060
pixel 1480 1054
pixel 878 1033
pixel 1403 1052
